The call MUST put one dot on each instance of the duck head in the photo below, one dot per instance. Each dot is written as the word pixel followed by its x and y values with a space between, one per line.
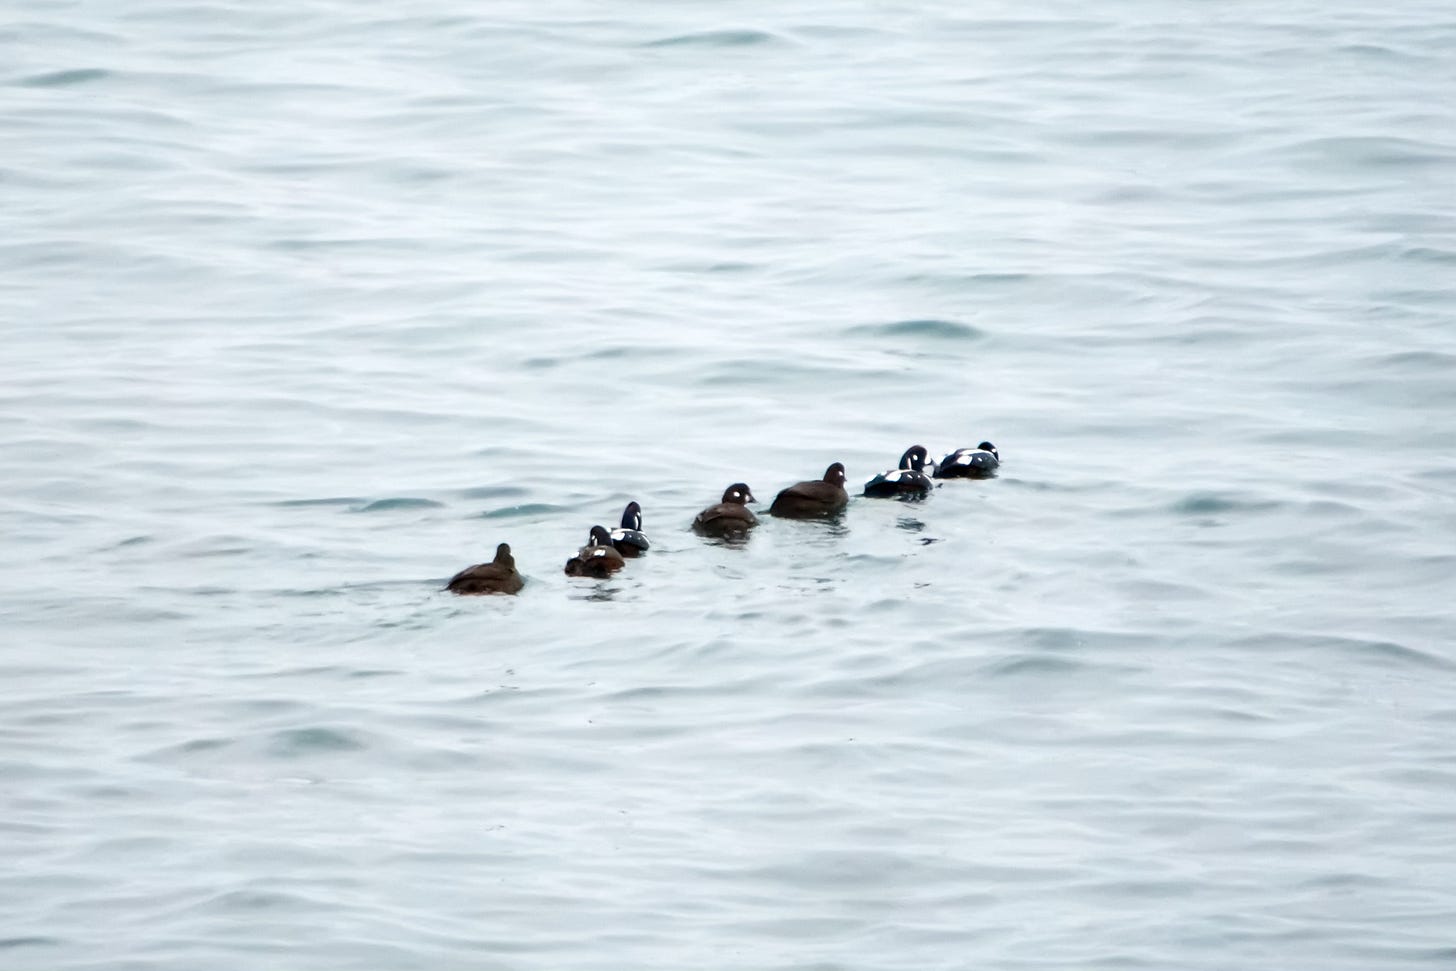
pixel 916 458
pixel 632 517
pixel 738 493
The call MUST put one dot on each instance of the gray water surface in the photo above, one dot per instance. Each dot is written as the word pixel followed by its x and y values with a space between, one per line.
pixel 307 306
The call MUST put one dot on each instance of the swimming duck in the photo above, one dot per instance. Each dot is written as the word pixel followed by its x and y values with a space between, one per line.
pixel 970 463
pixel 598 558
pixel 909 479
pixel 731 517
pixel 811 500
pixel 628 538
pixel 497 576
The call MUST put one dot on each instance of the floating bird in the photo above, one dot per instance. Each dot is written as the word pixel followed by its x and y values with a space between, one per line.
pixel 908 480
pixel 598 558
pixel 729 518
pixel 813 500
pixel 497 576
pixel 970 463
pixel 628 538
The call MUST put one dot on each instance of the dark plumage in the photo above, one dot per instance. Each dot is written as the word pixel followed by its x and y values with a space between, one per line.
pixel 628 538
pixel 908 480
pixel 598 558
pixel 729 517
pixel 497 576
pixel 970 463
pixel 812 500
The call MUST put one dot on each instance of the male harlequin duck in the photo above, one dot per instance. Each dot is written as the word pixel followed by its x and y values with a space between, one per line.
pixel 497 576
pixel 598 558
pixel 909 480
pixel 970 463
pixel 628 538
pixel 730 517
pixel 812 500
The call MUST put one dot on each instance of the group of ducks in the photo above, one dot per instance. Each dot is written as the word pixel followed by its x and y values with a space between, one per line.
pixel 607 552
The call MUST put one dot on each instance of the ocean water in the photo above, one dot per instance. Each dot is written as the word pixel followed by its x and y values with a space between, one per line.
pixel 308 305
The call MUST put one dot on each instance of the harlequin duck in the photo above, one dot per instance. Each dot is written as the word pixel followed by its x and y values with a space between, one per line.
pixel 598 558
pixel 970 463
pixel 811 500
pixel 497 576
pixel 730 517
pixel 628 538
pixel 908 480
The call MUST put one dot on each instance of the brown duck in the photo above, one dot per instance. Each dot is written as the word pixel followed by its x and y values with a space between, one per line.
pixel 598 558
pixel 497 576
pixel 813 500
pixel 731 517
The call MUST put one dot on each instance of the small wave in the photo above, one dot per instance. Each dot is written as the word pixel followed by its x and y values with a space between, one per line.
pixel 1030 664
pixel 1378 51
pixel 398 502
pixel 1211 503
pixel 719 38
pixel 938 329
pixel 10 943
pixel 132 541
pixel 329 501
pixel 1437 362
pixel 1386 653
pixel 1392 652
pixel 202 745
pixel 363 673
pixel 1427 254
pixel 525 509
pixel 191 747
pixel 296 742
pixel 493 492
pixel 233 900
pixel 615 353
pixel 61 79
pixel 1376 151
pixel 758 373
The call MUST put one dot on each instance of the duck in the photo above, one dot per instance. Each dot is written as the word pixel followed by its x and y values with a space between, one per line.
pixel 628 539
pixel 909 479
pixel 598 558
pixel 970 463
pixel 497 576
pixel 729 518
pixel 814 499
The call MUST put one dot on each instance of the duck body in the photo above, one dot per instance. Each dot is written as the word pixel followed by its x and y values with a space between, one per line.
pixel 628 538
pixel 909 480
pixel 598 558
pixel 497 576
pixel 730 517
pixel 816 499
pixel 970 463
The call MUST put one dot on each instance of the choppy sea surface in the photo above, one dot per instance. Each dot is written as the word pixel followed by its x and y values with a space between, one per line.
pixel 308 305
